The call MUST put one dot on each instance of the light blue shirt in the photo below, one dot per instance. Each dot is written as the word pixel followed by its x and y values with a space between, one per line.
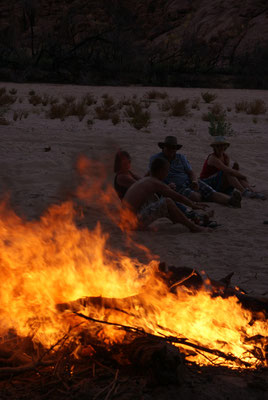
pixel 178 169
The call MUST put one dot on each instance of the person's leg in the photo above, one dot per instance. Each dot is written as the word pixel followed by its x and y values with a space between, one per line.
pixel 195 196
pixel 177 216
pixel 233 181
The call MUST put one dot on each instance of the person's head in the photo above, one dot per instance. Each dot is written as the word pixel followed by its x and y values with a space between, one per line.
pixel 169 147
pixel 122 161
pixel 219 145
pixel 159 168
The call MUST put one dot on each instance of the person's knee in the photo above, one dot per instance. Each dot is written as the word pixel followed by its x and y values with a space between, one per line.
pixel 169 202
pixel 195 196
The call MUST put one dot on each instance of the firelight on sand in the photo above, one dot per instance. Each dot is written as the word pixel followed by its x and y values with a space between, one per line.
pixel 52 261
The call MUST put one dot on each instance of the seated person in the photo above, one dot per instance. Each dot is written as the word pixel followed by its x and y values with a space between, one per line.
pixel 141 200
pixel 124 177
pixel 181 173
pixel 218 174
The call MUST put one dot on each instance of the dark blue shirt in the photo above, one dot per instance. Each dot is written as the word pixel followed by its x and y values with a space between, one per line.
pixel 178 169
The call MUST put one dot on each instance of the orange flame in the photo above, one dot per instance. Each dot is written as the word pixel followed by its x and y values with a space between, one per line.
pixel 52 261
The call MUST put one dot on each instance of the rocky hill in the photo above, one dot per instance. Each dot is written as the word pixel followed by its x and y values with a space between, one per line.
pixel 160 42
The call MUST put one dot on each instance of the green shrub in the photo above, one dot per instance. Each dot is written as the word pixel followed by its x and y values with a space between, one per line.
pixel 208 97
pixel 218 126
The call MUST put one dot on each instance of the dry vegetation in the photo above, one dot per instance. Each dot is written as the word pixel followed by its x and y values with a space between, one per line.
pixel 4 121
pixel 254 107
pixel 138 117
pixel 196 103
pixel 176 108
pixel 155 94
pixel 6 99
pixel 208 97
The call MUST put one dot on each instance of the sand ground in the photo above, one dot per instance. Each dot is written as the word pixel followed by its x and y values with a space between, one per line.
pixel 35 176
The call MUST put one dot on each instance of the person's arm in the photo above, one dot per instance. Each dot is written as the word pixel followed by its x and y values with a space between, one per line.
pixel 125 180
pixel 191 174
pixel 215 162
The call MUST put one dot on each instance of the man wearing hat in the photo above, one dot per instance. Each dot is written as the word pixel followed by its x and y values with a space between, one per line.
pixel 185 180
pixel 218 174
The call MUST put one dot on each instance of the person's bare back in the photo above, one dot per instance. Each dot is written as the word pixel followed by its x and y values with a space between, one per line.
pixel 142 191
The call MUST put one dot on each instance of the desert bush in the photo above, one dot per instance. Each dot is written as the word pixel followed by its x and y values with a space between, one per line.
pixel 69 99
pixel 155 94
pixel 241 106
pixel 4 121
pixel 216 109
pixel 255 120
pixel 15 116
pixel 58 111
pixel 176 108
pixel 102 113
pixel 218 126
pixel 115 119
pixel 13 91
pixel 229 109
pixel 208 97
pixel 90 123
pixel 31 93
pixel 108 102
pixel 20 100
pixel 6 99
pixel 138 118
pixel 195 103
pixel 2 91
pixel 256 107
pixel 124 102
pixel 78 108
pixel 89 99
pixel 35 100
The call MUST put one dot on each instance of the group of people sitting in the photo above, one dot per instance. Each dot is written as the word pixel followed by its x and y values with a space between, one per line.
pixel 171 187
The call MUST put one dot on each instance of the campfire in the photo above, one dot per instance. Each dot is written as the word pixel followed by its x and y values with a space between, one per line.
pixel 68 301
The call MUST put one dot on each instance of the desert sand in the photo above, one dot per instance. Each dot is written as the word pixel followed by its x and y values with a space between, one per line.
pixel 35 176
pixel 38 158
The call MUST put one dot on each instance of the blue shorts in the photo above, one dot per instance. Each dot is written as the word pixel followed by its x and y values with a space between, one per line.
pixel 205 190
pixel 215 181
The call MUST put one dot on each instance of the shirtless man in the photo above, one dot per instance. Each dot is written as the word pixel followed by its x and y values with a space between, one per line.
pixel 141 199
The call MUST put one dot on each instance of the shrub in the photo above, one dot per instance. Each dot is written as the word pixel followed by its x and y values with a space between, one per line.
pixel 138 118
pixel 15 116
pixel 195 103
pixel 89 99
pixel 69 99
pixel 13 91
pixel 4 121
pixel 176 108
pixel 31 93
pixel 2 91
pixel 256 107
pixel 35 100
pixel 255 120
pixel 208 97
pixel 216 109
pixel 6 99
pixel 102 113
pixel 154 94
pixel 115 119
pixel 108 102
pixel 20 100
pixel 219 126
pixel 58 111
pixel 90 123
pixel 79 109
pixel 229 109
pixel 241 106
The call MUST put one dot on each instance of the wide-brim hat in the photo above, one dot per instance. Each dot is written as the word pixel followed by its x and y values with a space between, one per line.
pixel 170 141
pixel 219 140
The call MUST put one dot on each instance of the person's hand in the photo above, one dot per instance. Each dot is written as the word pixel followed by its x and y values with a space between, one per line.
pixel 200 206
pixel 172 185
pixel 195 186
